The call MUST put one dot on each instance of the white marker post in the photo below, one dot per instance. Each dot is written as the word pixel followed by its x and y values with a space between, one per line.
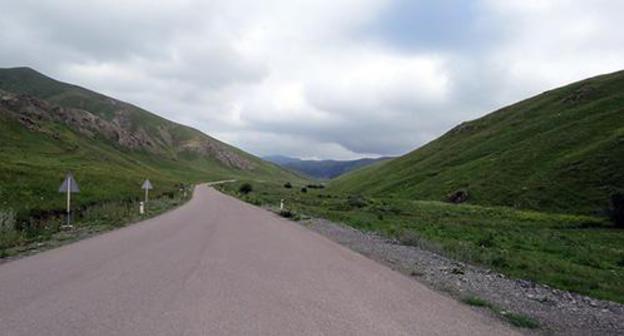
pixel 69 186
pixel 282 204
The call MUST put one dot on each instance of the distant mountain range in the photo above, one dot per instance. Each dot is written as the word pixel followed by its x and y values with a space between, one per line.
pixel 321 169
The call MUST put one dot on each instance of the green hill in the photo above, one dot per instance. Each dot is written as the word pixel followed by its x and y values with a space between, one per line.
pixel 562 150
pixel 48 128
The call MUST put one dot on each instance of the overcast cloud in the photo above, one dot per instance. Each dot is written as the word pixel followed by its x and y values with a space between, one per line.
pixel 316 78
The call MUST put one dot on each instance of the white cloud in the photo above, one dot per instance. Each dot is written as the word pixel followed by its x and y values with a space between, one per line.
pixel 306 78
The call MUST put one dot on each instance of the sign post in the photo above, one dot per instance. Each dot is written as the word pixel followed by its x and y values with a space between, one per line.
pixel 69 186
pixel 147 186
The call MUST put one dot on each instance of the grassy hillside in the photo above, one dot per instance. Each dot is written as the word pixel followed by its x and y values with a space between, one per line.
pixel 48 128
pixel 562 151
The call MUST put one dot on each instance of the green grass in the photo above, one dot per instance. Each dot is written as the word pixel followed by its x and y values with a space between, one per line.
pixel 521 321
pixel 476 302
pixel 561 151
pixel 47 232
pixel 518 320
pixel 579 253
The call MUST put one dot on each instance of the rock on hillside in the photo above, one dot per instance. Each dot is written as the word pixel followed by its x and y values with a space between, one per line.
pixel 38 116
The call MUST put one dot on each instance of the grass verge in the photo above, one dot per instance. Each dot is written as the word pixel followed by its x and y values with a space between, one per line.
pixel 45 233
pixel 517 320
pixel 582 254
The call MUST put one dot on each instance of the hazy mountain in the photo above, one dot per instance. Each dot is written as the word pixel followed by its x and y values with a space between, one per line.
pixel 321 169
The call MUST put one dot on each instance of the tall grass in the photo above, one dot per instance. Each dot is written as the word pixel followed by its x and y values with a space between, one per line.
pixel 16 233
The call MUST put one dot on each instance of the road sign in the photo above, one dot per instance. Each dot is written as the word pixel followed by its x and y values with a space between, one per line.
pixel 69 186
pixel 147 186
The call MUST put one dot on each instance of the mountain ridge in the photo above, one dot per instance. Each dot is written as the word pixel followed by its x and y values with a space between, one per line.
pixel 322 169
pixel 48 127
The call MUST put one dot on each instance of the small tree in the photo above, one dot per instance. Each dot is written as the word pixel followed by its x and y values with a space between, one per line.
pixel 617 200
pixel 246 188
pixel 304 190
pixel 287 185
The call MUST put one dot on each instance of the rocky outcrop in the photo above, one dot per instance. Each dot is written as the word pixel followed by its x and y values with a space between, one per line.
pixel 39 116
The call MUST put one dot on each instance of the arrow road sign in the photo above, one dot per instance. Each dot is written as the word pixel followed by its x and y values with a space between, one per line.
pixel 147 185
pixel 69 185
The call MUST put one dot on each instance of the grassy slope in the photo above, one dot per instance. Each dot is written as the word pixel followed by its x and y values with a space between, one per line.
pixel 32 164
pixel 562 150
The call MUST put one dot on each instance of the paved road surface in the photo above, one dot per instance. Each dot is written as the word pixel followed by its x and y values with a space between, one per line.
pixel 217 266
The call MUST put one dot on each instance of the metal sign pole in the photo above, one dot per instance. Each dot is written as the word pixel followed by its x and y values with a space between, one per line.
pixel 69 186
pixel 69 202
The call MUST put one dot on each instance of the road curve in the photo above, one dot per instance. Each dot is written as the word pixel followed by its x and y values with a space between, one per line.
pixel 217 266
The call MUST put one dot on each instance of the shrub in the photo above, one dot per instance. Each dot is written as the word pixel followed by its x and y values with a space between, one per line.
pixel 287 185
pixel 304 190
pixel 487 241
pixel 245 188
pixel 521 321
pixel 356 201
pixel 287 213
pixel 617 200
pixel 476 301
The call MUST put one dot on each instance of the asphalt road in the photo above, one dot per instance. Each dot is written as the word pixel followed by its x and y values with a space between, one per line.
pixel 217 266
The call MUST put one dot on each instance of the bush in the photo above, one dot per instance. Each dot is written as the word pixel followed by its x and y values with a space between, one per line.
pixel 287 185
pixel 246 188
pixel 476 301
pixel 316 186
pixel 617 200
pixel 521 321
pixel 304 190
pixel 487 241
pixel 287 213
pixel 357 201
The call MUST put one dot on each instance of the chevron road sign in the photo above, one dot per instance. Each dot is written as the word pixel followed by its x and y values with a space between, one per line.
pixel 147 186
pixel 69 186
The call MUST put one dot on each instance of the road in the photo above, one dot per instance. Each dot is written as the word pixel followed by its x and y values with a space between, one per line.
pixel 217 266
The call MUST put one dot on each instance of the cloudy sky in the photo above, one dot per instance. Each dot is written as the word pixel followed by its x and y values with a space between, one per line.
pixel 316 78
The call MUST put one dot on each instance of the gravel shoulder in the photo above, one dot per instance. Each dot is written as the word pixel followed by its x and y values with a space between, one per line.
pixel 558 312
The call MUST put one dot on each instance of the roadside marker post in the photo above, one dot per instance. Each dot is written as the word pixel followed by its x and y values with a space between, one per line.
pixel 69 186
pixel 281 204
